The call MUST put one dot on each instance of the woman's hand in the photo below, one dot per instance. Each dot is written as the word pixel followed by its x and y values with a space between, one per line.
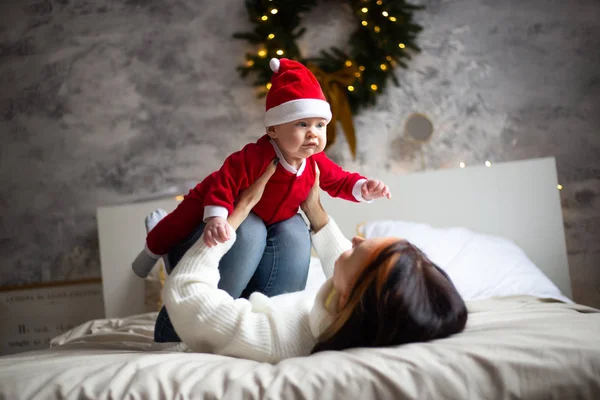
pixel 249 197
pixel 312 205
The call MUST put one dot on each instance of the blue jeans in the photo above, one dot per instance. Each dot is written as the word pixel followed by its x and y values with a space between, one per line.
pixel 270 259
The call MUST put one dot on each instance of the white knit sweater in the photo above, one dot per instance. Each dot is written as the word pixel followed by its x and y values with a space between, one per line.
pixel 264 329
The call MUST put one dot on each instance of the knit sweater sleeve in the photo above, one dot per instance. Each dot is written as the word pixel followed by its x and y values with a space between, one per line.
pixel 329 242
pixel 209 320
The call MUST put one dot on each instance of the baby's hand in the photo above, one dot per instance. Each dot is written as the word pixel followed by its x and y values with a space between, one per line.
pixel 217 229
pixel 374 189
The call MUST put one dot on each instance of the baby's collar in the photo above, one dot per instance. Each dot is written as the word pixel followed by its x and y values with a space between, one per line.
pixel 284 163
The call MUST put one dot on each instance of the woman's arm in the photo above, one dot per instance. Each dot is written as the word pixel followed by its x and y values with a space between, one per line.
pixel 209 320
pixel 327 239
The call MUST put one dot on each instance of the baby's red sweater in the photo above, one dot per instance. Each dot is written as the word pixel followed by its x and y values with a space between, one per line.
pixel 282 197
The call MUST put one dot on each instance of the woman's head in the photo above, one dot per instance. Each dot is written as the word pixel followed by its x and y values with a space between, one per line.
pixel 390 293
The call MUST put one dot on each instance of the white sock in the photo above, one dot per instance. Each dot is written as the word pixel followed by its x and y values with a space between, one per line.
pixel 154 218
pixel 144 262
pixel 151 221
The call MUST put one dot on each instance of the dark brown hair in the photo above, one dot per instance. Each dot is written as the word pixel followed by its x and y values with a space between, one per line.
pixel 400 297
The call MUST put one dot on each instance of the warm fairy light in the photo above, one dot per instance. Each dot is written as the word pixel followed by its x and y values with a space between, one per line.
pixel 462 164
pixel 385 13
pixel 383 67
pixel 262 53
pixel 179 198
pixel 365 10
pixel 488 164
pixel 361 68
pixel 271 36
pixel 364 23
pixel 393 19
pixel 379 2
pixel 250 63
pixel 357 74
pixel 268 85
pixel 373 87
pixel 377 29
pixel 401 45
pixel 264 18
pixel 279 52
pixel 274 11
pixel 559 187
pixel 388 58
pixel 351 88
pixel 348 63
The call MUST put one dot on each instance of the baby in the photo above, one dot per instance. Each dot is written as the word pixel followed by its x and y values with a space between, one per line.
pixel 296 118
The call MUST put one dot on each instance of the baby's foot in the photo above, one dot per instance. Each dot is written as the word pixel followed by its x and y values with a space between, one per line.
pixel 144 262
pixel 151 221
pixel 154 218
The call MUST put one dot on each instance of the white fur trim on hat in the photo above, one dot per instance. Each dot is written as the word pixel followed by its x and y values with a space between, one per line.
pixel 274 64
pixel 297 109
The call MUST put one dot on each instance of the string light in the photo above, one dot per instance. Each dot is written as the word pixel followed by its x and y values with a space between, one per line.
pixel 274 11
pixel 383 67
pixel 262 53
pixel 393 19
pixel 365 23
pixel 401 45
pixel 559 187
pixel 388 58
pixel 357 74
pixel 264 18
pixel 385 13
pixel 462 164
pixel 373 87
pixel 365 10
pixel 348 63
pixel 351 88
pixel 279 52
pixel 250 63
pixel 179 198
pixel 488 164
pixel 268 85
pixel 379 2
pixel 271 36
pixel 361 68
pixel 377 29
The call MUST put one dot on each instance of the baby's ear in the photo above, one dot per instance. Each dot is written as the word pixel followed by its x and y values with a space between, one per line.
pixel 271 132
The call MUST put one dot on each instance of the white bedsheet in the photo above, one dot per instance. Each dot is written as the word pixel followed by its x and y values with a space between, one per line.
pixel 512 348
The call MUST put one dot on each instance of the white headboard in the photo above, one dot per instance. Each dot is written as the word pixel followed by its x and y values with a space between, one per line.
pixel 517 200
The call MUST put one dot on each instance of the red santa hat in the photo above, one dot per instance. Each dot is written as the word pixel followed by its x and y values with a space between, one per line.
pixel 294 94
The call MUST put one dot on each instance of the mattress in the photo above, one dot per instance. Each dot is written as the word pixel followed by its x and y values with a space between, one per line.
pixel 516 347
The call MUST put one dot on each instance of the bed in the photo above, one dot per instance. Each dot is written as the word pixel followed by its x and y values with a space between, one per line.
pixel 520 342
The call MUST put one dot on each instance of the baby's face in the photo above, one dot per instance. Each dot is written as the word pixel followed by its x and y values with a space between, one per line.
pixel 301 138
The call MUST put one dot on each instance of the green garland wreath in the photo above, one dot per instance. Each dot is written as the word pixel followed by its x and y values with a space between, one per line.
pixel 350 79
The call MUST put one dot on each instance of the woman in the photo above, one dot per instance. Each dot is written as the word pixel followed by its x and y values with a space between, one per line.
pixel 379 292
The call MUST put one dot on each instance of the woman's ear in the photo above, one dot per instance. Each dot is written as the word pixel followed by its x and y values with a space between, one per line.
pixel 271 132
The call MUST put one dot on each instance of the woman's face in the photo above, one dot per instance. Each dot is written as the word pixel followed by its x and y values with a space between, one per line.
pixel 351 263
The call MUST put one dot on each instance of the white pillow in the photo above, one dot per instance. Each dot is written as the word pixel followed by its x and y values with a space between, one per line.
pixel 480 266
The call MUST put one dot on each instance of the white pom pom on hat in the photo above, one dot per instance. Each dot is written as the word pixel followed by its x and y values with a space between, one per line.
pixel 274 64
